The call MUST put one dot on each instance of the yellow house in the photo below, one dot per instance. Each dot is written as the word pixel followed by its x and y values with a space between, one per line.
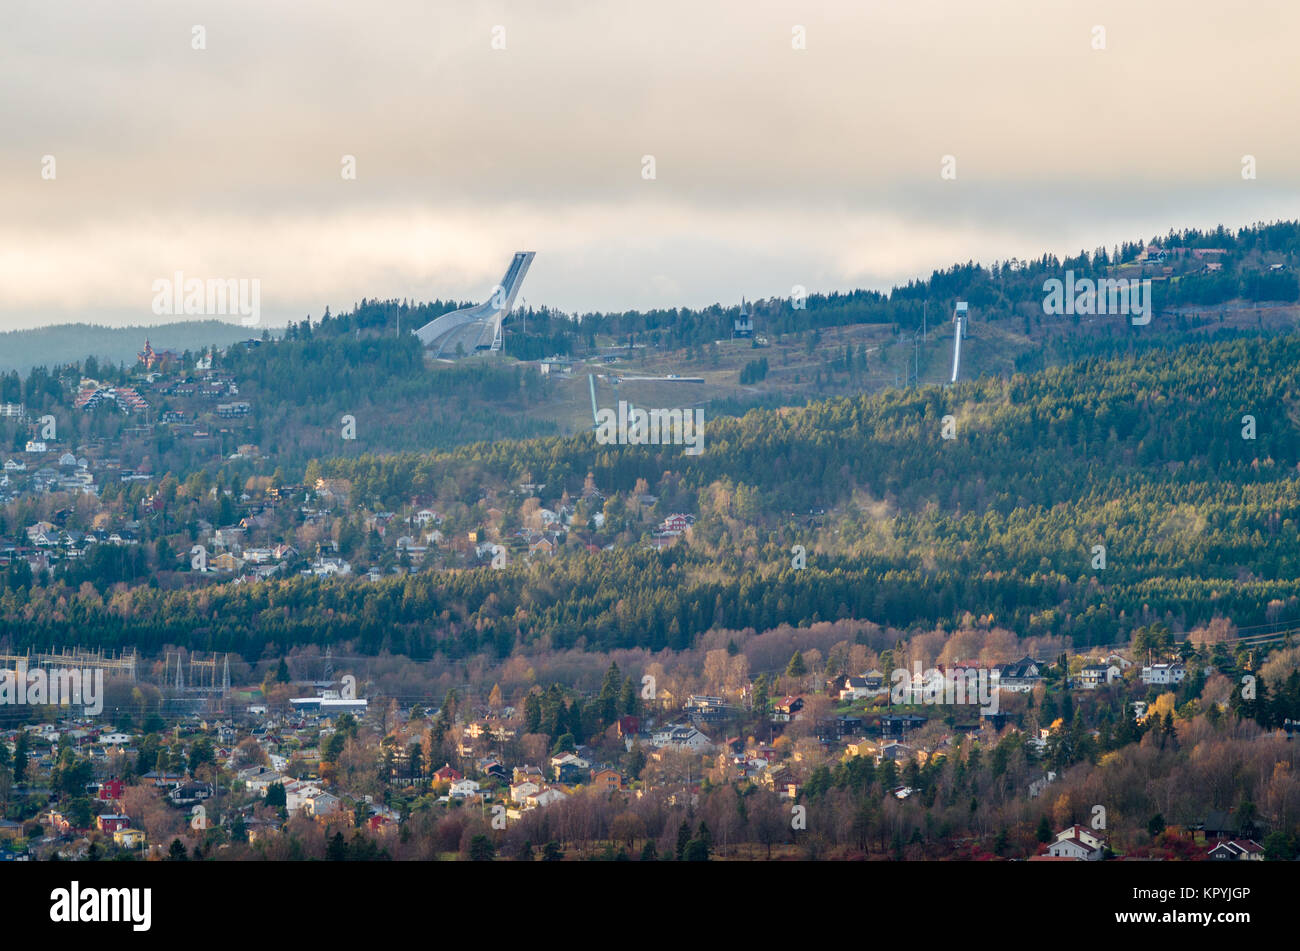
pixel 861 748
pixel 227 562
pixel 129 838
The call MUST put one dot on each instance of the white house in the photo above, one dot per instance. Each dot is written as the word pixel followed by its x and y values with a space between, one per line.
pixel 1098 675
pixel 568 759
pixel 1021 677
pixel 322 804
pixel 682 738
pixel 520 792
pixel 857 688
pixel 543 797
pixel 1078 842
pixel 328 567
pixel 463 789
pixel 258 778
pixel 297 795
pixel 1164 674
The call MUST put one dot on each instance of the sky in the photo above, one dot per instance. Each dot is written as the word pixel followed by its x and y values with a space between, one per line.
pixel 793 143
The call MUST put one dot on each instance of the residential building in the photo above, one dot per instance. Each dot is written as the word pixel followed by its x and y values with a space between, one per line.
pixel 1098 675
pixel 1172 673
pixel 1078 842
pixel 1237 850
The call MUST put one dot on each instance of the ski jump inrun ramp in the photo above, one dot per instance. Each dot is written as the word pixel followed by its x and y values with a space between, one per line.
pixel 478 327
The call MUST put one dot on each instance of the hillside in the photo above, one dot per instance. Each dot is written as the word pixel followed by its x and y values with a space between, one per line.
pixel 1143 454
pixel 21 350
pixel 802 349
pixel 1068 435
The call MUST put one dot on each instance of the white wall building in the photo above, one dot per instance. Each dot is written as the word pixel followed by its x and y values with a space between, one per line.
pixel 1164 674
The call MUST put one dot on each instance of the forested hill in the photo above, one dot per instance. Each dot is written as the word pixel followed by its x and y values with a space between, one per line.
pixel 1255 263
pixel 367 364
pixel 1143 455
pixel 62 344
pixel 1167 415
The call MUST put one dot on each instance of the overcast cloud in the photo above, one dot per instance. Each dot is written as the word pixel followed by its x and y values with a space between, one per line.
pixel 774 166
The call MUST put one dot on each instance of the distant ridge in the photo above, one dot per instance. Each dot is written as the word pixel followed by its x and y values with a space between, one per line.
pixel 72 343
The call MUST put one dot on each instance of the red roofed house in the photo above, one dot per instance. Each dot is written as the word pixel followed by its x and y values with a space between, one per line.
pixel 788 709
pixel 447 775
pixel 1078 842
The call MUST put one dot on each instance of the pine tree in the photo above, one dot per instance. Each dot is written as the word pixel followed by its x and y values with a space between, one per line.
pixel 762 699
pixel 607 699
pixel 532 713
pixel 21 748
pixel 337 850
pixel 796 667
pixel 629 701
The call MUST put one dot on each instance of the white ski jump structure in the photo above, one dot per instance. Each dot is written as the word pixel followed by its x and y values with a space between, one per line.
pixel 478 327
pixel 958 318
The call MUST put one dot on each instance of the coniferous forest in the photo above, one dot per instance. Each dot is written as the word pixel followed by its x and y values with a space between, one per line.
pixel 1180 460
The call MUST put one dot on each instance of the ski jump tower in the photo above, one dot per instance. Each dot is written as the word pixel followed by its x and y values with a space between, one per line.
pixel 478 327
pixel 958 318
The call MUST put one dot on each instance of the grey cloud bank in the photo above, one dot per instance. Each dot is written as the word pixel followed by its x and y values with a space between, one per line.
pixel 775 166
